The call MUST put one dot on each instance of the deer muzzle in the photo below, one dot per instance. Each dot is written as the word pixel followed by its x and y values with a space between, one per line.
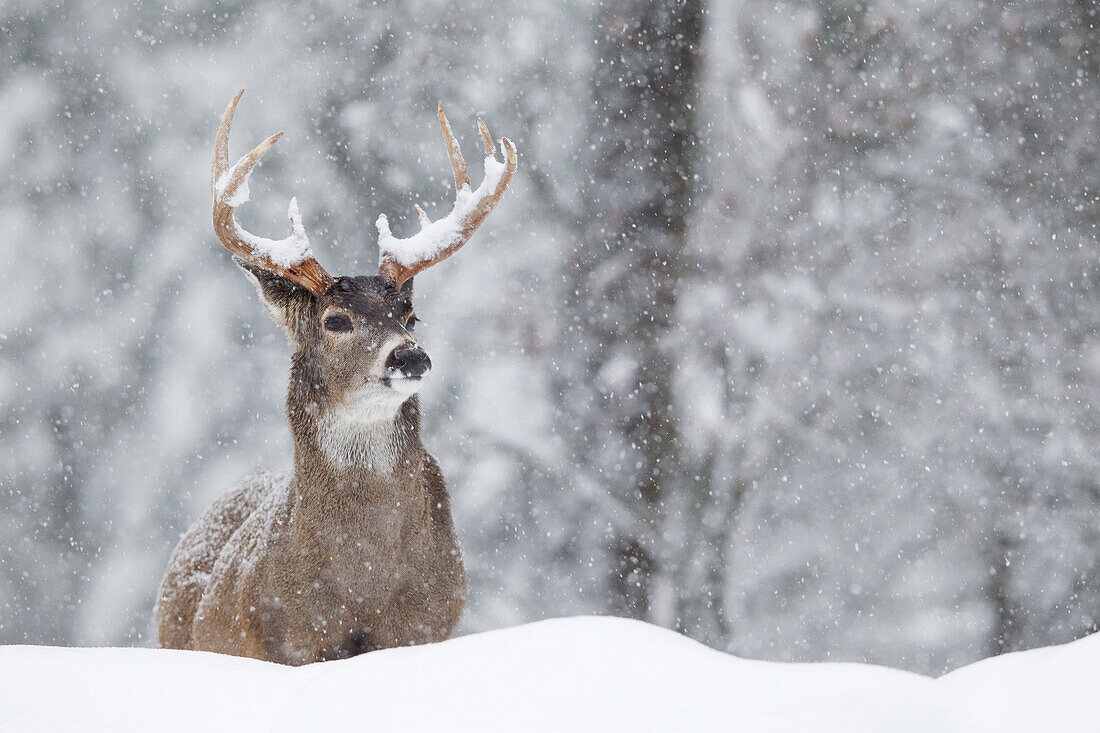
pixel 408 364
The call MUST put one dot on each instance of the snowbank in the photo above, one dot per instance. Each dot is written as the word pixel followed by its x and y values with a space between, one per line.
pixel 577 674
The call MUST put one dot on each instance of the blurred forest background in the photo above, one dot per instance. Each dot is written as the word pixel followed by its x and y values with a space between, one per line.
pixel 785 335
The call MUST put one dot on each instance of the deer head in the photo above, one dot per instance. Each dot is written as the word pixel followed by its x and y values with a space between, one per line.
pixel 356 352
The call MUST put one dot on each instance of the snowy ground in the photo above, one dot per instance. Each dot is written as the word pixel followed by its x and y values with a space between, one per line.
pixel 598 674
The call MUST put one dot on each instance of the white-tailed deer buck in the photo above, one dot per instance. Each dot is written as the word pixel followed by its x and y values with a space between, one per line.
pixel 354 549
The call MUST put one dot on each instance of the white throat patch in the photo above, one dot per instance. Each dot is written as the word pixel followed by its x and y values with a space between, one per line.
pixel 361 431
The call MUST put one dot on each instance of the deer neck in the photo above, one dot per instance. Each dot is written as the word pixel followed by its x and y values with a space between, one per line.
pixel 353 440
pixel 351 451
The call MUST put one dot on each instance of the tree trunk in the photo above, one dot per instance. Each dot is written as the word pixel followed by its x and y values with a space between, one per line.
pixel 623 277
pixel 1008 625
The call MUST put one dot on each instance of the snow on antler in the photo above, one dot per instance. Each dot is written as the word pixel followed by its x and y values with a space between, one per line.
pixel 400 259
pixel 291 257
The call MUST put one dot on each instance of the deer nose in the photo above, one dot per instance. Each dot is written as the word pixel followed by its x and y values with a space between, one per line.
pixel 412 362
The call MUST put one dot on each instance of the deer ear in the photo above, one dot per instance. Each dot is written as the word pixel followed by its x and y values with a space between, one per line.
pixel 407 287
pixel 286 302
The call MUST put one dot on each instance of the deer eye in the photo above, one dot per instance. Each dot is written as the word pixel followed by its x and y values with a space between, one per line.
pixel 411 323
pixel 338 322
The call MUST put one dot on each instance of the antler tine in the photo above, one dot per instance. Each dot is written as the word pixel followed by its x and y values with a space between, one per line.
pixel 243 168
pixel 291 257
pixel 221 141
pixel 401 259
pixel 458 163
pixel 487 140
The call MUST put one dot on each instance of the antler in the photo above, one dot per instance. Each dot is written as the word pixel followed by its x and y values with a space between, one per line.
pixel 400 259
pixel 292 257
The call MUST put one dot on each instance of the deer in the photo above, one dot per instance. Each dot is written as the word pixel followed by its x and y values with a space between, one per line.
pixel 354 549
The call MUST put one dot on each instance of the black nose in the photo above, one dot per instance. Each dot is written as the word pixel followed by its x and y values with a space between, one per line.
pixel 411 362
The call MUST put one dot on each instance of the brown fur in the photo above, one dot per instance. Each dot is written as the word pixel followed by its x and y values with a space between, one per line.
pixel 341 556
